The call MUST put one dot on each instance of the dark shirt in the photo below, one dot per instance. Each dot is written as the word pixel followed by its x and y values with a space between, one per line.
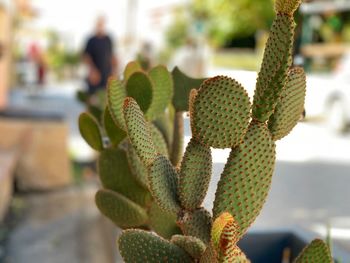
pixel 100 50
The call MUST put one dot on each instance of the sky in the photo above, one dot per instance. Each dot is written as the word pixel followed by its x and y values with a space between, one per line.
pixel 75 19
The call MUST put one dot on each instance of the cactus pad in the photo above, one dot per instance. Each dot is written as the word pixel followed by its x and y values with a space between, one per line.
pixel 121 210
pixel 317 251
pixel 138 246
pixel 290 106
pixel 196 168
pixel 162 91
pixel 159 141
pixel 218 228
pixel 183 85
pixel 137 167
pixel 114 133
pixel 115 97
pixel 115 175
pixel 246 179
pixel 210 255
pixel 163 184
pixel 197 224
pixel 138 131
pixel 90 131
pixel 273 73
pixel 229 251
pixel 287 7
pixel 162 222
pixel 131 68
pixel 139 87
pixel 221 113
pixel 193 96
pixel 192 245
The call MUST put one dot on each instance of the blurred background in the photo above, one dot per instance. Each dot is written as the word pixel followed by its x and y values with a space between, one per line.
pixel 47 173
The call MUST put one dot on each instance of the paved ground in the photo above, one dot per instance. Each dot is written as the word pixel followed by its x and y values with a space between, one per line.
pixel 62 226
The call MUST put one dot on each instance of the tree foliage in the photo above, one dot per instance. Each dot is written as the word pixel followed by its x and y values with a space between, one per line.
pixel 228 19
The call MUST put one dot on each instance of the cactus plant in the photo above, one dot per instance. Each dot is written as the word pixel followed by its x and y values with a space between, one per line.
pixel 221 117
pixel 124 161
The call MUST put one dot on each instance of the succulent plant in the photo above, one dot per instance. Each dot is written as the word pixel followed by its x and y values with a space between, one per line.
pixel 123 167
pixel 145 187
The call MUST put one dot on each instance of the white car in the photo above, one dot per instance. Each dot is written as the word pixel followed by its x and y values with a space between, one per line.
pixel 327 96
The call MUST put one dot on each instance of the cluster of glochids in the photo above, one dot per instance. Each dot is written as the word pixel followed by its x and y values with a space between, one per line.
pixel 144 187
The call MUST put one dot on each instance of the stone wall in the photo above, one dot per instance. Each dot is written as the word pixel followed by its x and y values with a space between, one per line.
pixel 43 162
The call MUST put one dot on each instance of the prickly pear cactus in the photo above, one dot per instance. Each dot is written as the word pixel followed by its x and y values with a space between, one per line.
pixel 150 188
pixel 221 117
pixel 136 128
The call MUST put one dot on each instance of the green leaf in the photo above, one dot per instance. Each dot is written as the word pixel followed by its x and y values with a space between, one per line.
pixel 163 184
pixel 162 222
pixel 131 68
pixel 114 133
pixel 139 87
pixel 138 246
pixel 121 210
pixel 162 91
pixel 115 175
pixel 139 131
pixel 317 251
pixel 290 106
pixel 90 131
pixel 195 174
pixel 115 96
pixel 182 88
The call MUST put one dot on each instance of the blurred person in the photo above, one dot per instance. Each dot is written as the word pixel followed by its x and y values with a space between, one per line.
pixel 99 57
pixel 37 57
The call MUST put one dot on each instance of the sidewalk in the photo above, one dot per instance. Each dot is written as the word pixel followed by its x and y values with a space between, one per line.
pixel 62 226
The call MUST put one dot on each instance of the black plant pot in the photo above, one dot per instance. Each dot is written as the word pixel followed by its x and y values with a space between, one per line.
pixel 274 246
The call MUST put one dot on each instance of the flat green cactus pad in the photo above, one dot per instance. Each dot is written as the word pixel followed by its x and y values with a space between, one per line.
pixel 131 68
pixel 192 245
pixel 287 6
pixel 195 174
pixel 163 89
pixel 162 222
pixel 121 210
pixel 139 87
pixel 114 133
pixel 137 167
pixel 165 124
pixel 115 175
pixel 197 224
pixel 183 84
pixel 138 246
pixel 163 184
pixel 246 179
pixel 159 141
pixel 290 106
pixel 90 131
pixel 273 73
pixel 139 131
pixel 115 97
pixel 316 252
pixel 221 113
